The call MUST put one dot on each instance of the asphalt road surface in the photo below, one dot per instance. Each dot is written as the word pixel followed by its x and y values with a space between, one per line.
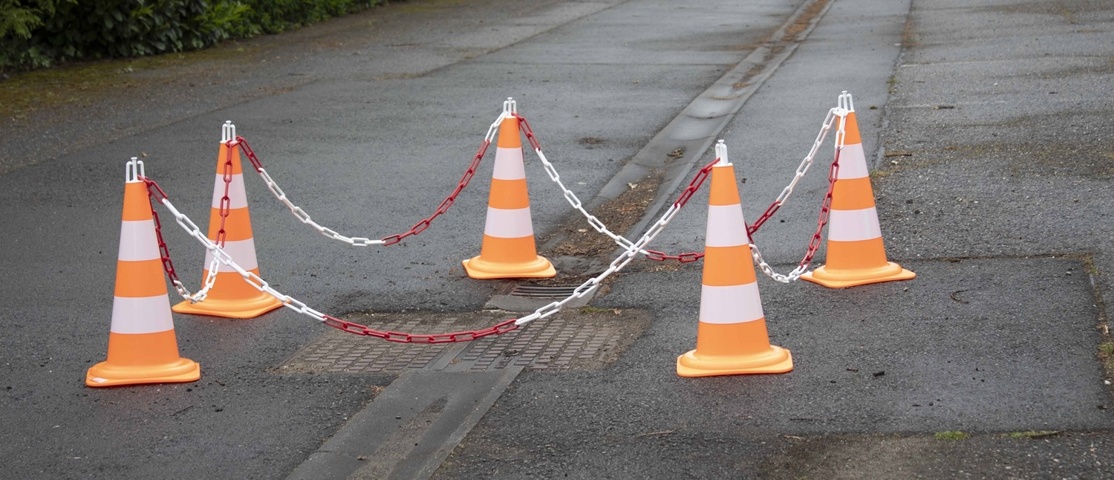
pixel 986 128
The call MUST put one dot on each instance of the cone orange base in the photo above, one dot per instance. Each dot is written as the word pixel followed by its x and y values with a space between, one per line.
pixel 179 371
pixel 775 360
pixel 481 269
pixel 240 308
pixel 833 278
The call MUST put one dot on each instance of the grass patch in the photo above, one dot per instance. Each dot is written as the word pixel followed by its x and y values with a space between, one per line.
pixel 1106 353
pixel 951 435
pixel 81 83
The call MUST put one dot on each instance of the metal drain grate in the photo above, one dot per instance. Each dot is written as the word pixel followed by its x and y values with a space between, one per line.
pixel 584 340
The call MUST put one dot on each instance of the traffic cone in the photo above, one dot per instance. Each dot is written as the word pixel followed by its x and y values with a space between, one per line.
pixel 508 249
pixel 731 338
pixel 142 347
pixel 855 254
pixel 231 296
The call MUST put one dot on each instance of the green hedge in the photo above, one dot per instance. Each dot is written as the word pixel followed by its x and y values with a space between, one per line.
pixel 41 33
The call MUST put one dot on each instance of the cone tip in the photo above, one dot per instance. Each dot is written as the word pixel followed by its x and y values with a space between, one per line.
pixel 721 153
pixel 133 170
pixel 227 131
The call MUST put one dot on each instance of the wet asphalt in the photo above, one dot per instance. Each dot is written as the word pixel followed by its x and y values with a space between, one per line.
pixel 985 126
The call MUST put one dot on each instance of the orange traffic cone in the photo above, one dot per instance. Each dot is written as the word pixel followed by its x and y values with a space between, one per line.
pixel 508 249
pixel 142 347
pixel 230 296
pixel 731 338
pixel 855 255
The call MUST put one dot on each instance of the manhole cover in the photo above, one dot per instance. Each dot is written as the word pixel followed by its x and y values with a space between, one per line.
pixel 584 339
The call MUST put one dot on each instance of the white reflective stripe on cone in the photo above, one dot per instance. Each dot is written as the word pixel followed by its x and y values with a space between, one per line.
pixel 726 226
pixel 237 197
pixel 854 225
pixel 852 162
pixel 730 304
pixel 138 241
pixel 508 223
pixel 241 251
pixel 509 164
pixel 141 314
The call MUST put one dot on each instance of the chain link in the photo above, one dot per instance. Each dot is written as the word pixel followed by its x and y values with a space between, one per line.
pixel 134 173
pixel 225 207
pixel 224 210
pixel 838 112
pixel 589 286
pixel 801 170
pixel 682 199
pixel 825 211
pixel 685 195
pixel 817 237
pixel 583 290
pixel 631 249
pixel 594 221
pixel 259 284
pixel 156 193
pixel 419 227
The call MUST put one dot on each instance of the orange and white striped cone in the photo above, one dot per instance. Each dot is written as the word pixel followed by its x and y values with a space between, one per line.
pixel 855 252
pixel 508 249
pixel 731 338
pixel 230 296
pixel 142 347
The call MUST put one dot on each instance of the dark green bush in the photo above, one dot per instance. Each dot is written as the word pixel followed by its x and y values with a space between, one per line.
pixel 40 33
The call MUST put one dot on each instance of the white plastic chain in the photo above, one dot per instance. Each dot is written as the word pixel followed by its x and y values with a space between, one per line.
pixel 256 281
pixel 508 110
pixel 807 162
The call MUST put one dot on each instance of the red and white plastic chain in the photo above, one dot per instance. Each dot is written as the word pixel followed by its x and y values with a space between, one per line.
pixel 824 206
pixel 505 326
pixel 595 222
pixel 134 173
pixel 156 192
pixel 693 186
pixel 688 256
pixel 225 207
pixel 802 169
pixel 419 227
pixel 631 251
pixel 817 237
